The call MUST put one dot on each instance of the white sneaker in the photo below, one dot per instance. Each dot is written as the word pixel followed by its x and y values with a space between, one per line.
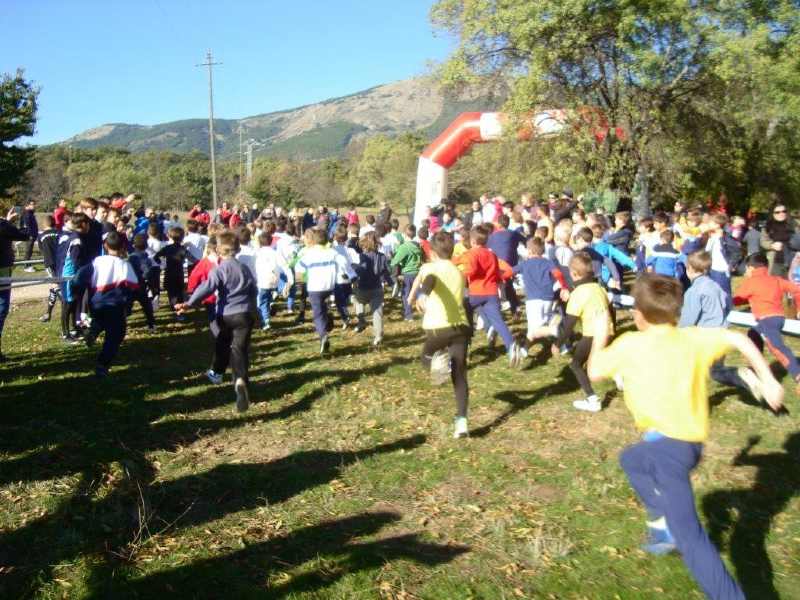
pixel 242 395
pixel 460 428
pixel 491 337
pixel 265 327
pixel 440 367
pixel 591 404
pixel 752 381
pixel 213 377
pixel 513 355
pixel 29 270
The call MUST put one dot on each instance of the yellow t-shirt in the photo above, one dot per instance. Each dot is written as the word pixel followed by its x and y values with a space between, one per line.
pixel 665 371
pixel 445 304
pixel 589 302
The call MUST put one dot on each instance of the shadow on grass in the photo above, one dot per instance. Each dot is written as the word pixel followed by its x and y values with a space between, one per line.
pixel 111 529
pixel 777 483
pixel 519 401
pixel 100 433
pixel 333 546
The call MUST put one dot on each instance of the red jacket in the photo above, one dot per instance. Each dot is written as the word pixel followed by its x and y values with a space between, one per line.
pixel 199 274
pixel 200 216
pixel 58 217
pixel 765 292
pixel 484 271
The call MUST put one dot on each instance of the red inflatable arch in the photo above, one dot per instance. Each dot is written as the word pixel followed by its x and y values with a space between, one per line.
pixel 475 128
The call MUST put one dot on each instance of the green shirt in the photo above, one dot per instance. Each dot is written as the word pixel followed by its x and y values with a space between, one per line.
pixel 409 257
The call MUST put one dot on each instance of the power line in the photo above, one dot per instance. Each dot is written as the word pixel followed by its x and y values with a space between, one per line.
pixel 210 64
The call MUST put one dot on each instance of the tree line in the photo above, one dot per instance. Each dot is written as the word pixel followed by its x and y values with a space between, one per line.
pixel 707 93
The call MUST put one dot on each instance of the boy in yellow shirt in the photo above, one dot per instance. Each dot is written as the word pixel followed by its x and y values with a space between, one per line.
pixel 587 305
pixel 665 371
pixel 441 299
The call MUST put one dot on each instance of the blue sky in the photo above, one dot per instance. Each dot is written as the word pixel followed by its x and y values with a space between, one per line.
pixel 132 61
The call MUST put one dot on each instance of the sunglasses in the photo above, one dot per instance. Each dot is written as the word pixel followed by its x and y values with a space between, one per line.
pixel 779 212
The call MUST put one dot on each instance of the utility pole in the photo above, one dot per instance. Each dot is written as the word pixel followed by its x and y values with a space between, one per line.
pixel 249 161
pixel 210 64
pixel 241 161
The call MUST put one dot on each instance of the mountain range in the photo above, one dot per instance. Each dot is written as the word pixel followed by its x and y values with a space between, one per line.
pixel 310 132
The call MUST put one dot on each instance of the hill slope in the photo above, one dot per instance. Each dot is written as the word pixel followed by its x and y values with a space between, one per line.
pixel 311 132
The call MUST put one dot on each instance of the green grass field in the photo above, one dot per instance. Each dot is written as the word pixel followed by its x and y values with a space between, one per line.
pixel 343 481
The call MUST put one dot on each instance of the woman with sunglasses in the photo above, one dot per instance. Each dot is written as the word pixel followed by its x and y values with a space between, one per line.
pixel 775 239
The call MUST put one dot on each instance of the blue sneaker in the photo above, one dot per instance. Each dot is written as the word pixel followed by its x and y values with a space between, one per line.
pixel 659 542
pixel 215 378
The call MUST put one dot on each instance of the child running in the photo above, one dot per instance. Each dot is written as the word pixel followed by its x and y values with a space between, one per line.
pixel 445 323
pixel 269 267
pixel 111 282
pixel 408 259
pixel 70 257
pixel 587 305
pixel 705 304
pixel 143 267
pixel 484 273
pixel 372 269
pixel 673 414
pixel 235 289
pixel 200 274
pixel 539 277
pixel 175 255
pixel 320 264
pixel 764 293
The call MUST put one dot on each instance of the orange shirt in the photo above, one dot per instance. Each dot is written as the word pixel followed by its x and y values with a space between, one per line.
pixel 764 293
pixel 483 271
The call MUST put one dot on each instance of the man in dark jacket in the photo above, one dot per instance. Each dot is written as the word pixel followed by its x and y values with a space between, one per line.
pixel 29 224
pixel 9 234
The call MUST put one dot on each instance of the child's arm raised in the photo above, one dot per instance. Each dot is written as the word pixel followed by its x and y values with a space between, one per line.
pixel 773 390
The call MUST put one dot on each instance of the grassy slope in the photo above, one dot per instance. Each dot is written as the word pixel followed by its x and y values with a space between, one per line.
pixel 342 480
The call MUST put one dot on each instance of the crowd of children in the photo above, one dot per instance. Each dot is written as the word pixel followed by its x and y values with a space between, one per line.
pixel 467 272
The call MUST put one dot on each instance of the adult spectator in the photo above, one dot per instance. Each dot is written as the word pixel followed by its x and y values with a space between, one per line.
pixel 118 202
pixel 254 213
pixel 564 207
pixel 384 214
pixel 9 234
pixel 92 240
pixel 308 219
pixel 29 224
pixel 474 216
pixel 59 213
pixel 199 214
pixel 775 239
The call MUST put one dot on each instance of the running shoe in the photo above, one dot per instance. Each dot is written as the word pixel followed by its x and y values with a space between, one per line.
pixel 460 428
pixel 242 395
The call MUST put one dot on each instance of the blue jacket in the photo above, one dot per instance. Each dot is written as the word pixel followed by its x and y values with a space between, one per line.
pixel 372 270
pixel 705 304
pixel 503 243
pixel 665 260
pixel 69 258
pixel 110 280
pixel 608 251
pixel 29 223
pixel 537 277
